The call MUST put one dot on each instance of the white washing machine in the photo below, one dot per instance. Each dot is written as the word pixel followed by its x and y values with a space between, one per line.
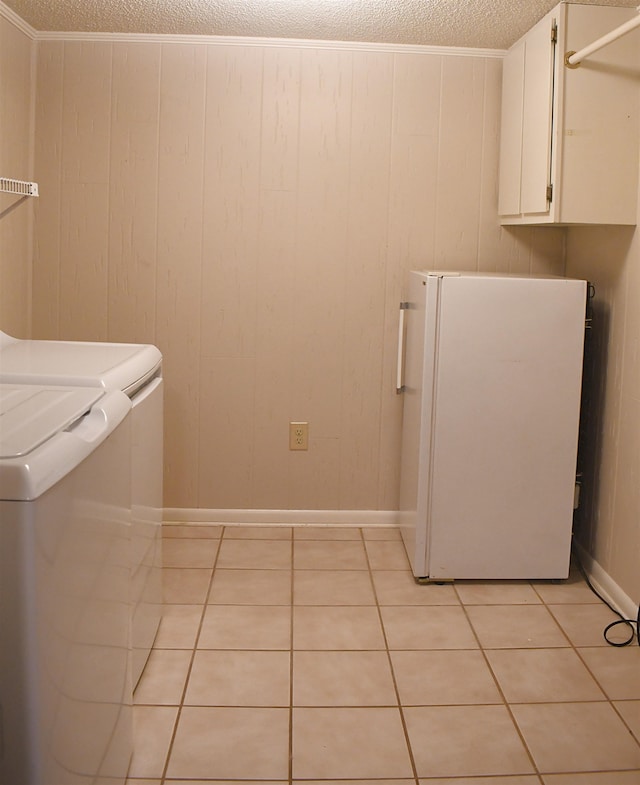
pixel 135 369
pixel 65 682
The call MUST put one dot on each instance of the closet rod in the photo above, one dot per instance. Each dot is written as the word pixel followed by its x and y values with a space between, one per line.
pixel 18 187
pixel 573 59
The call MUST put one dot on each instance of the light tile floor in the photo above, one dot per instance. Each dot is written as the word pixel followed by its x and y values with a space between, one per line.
pixel 309 655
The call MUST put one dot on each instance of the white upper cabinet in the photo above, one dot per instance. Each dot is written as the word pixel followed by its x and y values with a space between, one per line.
pixel 570 137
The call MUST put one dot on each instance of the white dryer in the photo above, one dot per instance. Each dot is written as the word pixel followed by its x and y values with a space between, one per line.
pixel 135 369
pixel 65 683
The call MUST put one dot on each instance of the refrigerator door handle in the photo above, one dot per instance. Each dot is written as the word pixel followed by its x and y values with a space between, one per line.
pixel 400 361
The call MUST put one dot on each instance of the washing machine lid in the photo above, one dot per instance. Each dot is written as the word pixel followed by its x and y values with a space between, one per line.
pixel 31 415
pixel 47 431
pixel 112 366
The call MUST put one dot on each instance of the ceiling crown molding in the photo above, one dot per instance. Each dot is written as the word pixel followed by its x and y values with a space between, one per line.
pixel 301 43
pixel 17 21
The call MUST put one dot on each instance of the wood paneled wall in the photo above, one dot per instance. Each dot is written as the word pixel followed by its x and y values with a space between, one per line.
pixel 253 210
pixel 16 213
pixel 608 523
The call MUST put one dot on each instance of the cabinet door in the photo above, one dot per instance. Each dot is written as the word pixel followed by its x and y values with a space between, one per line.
pixel 511 131
pixel 600 128
pixel 577 130
pixel 537 117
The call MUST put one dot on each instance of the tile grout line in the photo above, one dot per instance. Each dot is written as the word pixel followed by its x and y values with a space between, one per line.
pixel 498 687
pixel 390 662
pixel 193 654
pixel 291 598
pixel 576 650
pixel 569 646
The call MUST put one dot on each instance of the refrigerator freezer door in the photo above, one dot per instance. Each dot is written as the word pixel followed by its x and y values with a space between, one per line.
pixel 505 412
pixel 420 355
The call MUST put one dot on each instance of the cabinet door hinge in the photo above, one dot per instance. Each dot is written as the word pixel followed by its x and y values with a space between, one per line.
pixel 554 33
pixel 549 193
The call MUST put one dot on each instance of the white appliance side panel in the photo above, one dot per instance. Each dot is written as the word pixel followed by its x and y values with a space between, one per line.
pixel 146 522
pixel 421 322
pixel 65 685
pixel 508 399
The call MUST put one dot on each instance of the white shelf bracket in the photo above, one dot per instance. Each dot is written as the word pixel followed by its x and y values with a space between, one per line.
pixel 18 187
pixel 573 59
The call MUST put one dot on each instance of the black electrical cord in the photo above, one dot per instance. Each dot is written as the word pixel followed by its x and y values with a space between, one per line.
pixel 635 633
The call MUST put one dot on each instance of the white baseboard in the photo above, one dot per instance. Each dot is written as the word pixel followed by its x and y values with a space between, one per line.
pixel 605 584
pixel 388 518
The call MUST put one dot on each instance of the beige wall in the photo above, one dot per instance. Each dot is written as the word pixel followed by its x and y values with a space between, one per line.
pixel 16 133
pixel 253 211
pixel 609 519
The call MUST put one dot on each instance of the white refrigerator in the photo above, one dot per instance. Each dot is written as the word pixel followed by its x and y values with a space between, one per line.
pixel 490 367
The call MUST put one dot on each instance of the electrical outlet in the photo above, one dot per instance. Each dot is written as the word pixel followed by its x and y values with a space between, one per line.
pixel 298 435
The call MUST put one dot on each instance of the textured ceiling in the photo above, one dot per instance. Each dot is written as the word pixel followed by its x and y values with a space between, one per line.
pixel 492 24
